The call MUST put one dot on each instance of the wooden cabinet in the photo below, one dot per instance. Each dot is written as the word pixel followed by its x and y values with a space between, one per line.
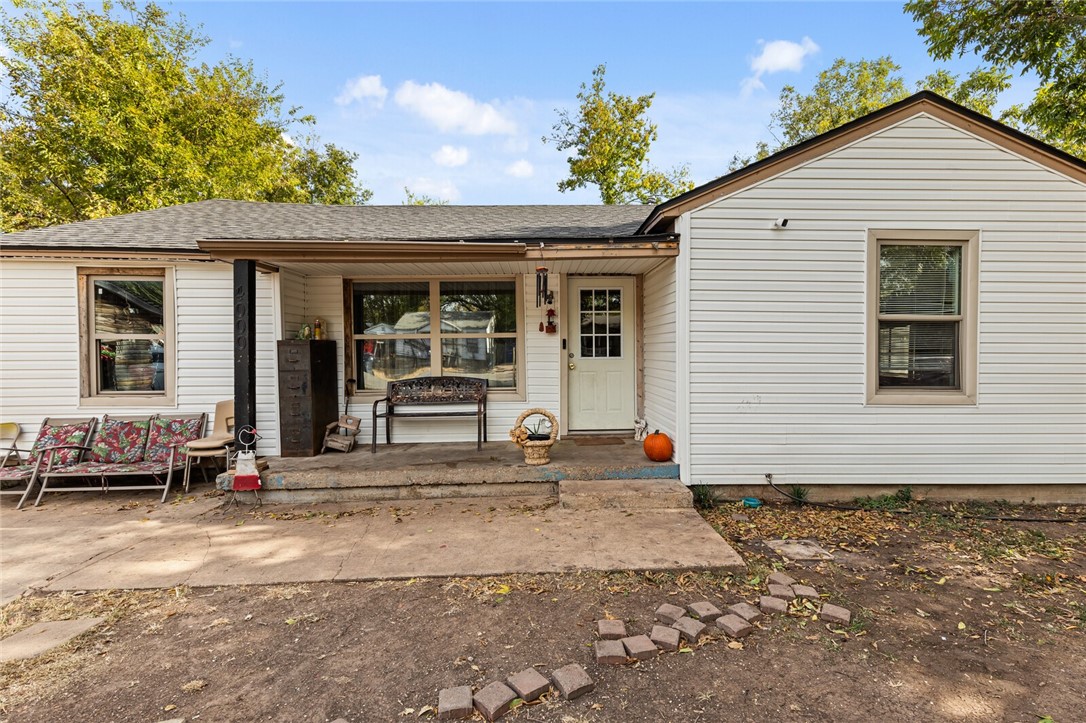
pixel 308 395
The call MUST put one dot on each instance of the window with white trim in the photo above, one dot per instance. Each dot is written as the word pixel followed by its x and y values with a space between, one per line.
pixel 922 320
pixel 126 341
pixel 407 329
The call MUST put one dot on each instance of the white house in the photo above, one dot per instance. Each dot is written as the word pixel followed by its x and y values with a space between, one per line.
pixel 899 301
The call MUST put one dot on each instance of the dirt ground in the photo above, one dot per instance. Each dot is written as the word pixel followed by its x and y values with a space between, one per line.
pixel 954 620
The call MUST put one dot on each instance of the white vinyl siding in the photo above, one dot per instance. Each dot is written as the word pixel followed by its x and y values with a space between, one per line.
pixel 659 329
pixel 777 319
pixel 40 347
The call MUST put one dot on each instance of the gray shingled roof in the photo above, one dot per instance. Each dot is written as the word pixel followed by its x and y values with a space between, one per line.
pixel 178 228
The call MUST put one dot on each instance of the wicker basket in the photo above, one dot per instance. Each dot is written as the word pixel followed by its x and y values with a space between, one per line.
pixel 538 451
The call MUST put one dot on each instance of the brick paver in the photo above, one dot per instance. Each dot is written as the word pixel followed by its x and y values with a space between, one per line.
pixel 455 703
pixel 529 684
pixel 780 578
pixel 494 700
pixel 734 626
pixel 668 613
pixel 835 614
pixel 689 628
pixel 704 611
pixel 610 652
pixel 665 638
pixel 640 647
pixel 572 681
pixel 746 611
pixel 611 629
pixel 772 604
pixel 805 591
pixel 784 592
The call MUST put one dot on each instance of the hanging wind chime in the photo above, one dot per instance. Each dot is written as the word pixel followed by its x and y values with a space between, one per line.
pixel 542 294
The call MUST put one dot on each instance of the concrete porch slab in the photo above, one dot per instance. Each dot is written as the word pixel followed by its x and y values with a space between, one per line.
pixel 340 542
pixel 442 470
pixel 624 494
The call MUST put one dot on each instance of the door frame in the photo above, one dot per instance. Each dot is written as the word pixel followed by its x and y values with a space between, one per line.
pixel 563 359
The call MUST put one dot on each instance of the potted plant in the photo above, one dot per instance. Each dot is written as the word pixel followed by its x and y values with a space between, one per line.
pixel 536 437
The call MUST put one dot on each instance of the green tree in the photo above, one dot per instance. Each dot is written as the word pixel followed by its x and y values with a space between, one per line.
pixel 849 90
pixel 107 114
pixel 1046 37
pixel 610 137
pixel 421 199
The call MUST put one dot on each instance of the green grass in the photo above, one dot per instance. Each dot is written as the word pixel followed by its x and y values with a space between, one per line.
pixel 704 497
pixel 884 503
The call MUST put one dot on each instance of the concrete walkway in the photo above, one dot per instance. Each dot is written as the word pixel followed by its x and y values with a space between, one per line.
pixel 128 540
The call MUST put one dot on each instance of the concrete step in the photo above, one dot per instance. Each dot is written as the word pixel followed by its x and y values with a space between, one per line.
pixel 657 494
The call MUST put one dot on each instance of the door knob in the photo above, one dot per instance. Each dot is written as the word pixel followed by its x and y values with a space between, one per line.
pixel 572 365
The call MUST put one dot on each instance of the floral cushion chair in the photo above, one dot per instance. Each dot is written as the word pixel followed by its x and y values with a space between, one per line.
pixel 135 447
pixel 119 441
pixel 59 444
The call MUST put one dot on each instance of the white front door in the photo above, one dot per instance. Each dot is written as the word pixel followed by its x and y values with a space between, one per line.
pixel 600 350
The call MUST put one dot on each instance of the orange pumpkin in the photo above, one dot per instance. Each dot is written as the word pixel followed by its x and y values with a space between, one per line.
pixel 658 447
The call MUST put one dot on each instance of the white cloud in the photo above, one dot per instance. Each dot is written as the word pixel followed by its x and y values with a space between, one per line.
pixel 778 55
pixel 450 156
pixel 363 88
pixel 453 111
pixel 439 189
pixel 520 169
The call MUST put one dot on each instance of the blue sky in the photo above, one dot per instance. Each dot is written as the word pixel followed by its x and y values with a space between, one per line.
pixel 452 99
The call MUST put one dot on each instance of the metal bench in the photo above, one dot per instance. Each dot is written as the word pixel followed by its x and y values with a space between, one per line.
pixel 426 391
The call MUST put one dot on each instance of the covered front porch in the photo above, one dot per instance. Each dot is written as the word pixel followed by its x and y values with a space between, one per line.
pixel 455 469
pixel 577 320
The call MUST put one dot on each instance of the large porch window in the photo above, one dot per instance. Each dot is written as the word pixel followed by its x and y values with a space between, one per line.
pixel 406 329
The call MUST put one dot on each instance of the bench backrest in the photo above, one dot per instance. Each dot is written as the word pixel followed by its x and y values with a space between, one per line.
pixel 437 390
pixel 120 440
pixel 168 431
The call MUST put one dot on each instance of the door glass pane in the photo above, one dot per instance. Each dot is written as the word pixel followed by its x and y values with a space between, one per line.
pixel 488 358
pixel 392 307
pixel 381 361
pixel 601 323
pixel 587 302
pixel 920 279
pixel 481 307
pixel 127 307
pixel 918 355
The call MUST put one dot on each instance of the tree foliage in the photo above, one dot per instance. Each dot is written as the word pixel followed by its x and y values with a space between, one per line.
pixel 610 137
pixel 422 199
pixel 108 112
pixel 849 90
pixel 1047 37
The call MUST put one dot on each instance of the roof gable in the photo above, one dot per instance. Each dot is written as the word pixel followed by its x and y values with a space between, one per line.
pixel 924 102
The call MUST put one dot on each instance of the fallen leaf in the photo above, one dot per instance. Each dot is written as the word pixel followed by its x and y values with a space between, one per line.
pixel 171 706
pixel 940 581
pixel 735 645
pixel 194 685
pixel 922 614
pixel 961 626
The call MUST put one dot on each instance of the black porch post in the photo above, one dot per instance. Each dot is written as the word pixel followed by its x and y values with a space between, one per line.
pixel 244 343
